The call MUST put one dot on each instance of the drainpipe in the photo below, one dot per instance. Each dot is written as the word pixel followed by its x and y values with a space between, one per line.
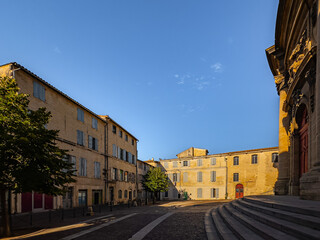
pixel 226 160
pixel 106 162
pixel 13 72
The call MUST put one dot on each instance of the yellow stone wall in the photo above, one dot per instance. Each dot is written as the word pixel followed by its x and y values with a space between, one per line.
pixel 256 178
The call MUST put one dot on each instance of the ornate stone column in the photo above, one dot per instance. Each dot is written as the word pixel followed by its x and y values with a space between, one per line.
pixel 281 186
pixel 310 181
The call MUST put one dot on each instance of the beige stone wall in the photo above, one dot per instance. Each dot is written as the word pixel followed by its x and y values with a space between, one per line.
pixel 256 178
pixel 64 119
pixel 115 162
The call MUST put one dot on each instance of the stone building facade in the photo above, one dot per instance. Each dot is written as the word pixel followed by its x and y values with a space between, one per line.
pixel 142 169
pixel 294 64
pixel 196 175
pixel 89 138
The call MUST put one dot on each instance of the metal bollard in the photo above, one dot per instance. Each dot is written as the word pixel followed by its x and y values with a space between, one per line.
pixel 50 216
pixel 62 214
pixel 31 218
pixel 111 206
pixel 83 211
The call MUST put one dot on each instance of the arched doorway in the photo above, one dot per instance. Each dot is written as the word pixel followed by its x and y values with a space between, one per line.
pixel 303 139
pixel 239 191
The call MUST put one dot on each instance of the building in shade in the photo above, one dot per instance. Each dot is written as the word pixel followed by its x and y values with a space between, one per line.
pixel 196 175
pixel 293 60
pixel 103 152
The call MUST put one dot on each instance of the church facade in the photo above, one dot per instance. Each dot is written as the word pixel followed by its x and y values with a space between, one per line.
pixel 294 64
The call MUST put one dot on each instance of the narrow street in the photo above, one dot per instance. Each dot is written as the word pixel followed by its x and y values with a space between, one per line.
pixel 173 220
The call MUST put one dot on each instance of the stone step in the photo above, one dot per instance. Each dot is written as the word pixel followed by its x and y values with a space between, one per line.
pixel 300 219
pixel 223 231
pixel 263 230
pixel 292 205
pixel 238 229
pixel 295 230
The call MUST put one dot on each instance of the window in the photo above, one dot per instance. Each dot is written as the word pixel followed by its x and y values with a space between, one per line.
pixel 185 177
pixel 39 91
pixel 120 133
pixel 254 159
pixel 119 194
pixel 174 164
pixel 121 153
pixel 114 174
pixel 214 192
pixel 114 150
pixel 126 137
pixel 83 167
pixel 236 177
pixel 92 143
pixel 121 175
pixel 80 115
pixel 97 170
pixel 166 165
pixel 213 176
pixel 185 163
pixel 94 123
pixel 132 142
pixel 274 157
pixel 73 161
pixel 174 179
pixel 213 161
pixel 126 156
pixel 125 194
pixel 166 194
pixel 199 162
pixel 126 176
pixel 133 159
pixel 235 160
pixel 80 138
pixel 199 192
pixel 114 129
pixel 82 198
pixel 199 177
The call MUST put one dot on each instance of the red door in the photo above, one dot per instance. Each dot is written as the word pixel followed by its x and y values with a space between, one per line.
pixel 26 202
pixel 37 200
pixel 48 202
pixel 239 191
pixel 303 143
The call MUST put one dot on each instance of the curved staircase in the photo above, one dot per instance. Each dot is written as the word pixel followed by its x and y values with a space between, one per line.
pixel 266 217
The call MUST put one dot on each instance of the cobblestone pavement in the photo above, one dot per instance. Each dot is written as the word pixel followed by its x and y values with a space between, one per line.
pixel 173 220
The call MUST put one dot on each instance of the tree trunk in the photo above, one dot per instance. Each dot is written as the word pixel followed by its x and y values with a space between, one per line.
pixel 5 218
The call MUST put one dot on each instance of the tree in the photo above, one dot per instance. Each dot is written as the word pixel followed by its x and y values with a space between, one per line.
pixel 155 181
pixel 30 160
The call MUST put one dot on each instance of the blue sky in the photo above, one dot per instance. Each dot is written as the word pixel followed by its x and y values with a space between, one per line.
pixel 174 73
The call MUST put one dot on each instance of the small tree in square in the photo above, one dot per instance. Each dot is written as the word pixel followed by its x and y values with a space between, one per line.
pixel 155 181
pixel 30 160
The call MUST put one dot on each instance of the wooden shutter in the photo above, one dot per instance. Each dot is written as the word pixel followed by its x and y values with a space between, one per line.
pixel 213 176
pixel 178 177
pixel 185 177
pixel 213 161
pixel 90 142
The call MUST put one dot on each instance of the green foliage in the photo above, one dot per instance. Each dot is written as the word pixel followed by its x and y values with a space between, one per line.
pixel 155 181
pixel 30 158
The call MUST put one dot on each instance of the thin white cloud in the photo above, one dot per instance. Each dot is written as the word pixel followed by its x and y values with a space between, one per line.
pixel 176 75
pixel 217 67
pixel 181 81
pixel 57 50
pixel 203 59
